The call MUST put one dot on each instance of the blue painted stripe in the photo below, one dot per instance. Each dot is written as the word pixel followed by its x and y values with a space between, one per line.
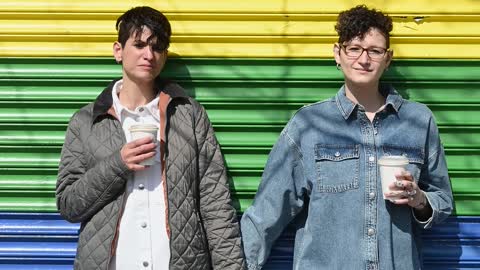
pixel 45 241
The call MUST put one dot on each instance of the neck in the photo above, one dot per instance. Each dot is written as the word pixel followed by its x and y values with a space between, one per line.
pixel 133 94
pixel 368 96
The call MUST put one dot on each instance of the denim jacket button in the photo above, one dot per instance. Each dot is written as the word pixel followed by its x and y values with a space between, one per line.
pixel 370 232
pixel 371 159
pixel 337 154
pixel 371 196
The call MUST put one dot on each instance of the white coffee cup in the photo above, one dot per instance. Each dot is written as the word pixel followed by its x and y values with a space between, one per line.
pixel 139 131
pixel 389 167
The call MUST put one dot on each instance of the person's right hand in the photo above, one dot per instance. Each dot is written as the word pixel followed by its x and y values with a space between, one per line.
pixel 137 151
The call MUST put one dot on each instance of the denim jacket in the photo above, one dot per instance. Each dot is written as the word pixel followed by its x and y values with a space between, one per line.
pixel 323 171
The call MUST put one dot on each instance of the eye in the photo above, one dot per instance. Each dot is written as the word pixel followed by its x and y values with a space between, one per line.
pixel 139 44
pixel 376 51
pixel 353 48
pixel 158 48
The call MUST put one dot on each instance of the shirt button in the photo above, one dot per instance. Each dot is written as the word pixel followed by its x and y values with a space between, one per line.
pixel 145 264
pixel 141 186
pixel 371 196
pixel 371 159
pixel 140 109
pixel 371 232
pixel 337 154
pixel 144 224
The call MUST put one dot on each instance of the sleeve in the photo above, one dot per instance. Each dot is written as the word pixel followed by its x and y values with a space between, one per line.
pixel 280 197
pixel 216 208
pixel 81 191
pixel 434 179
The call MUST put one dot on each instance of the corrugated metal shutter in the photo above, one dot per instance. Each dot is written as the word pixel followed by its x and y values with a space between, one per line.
pixel 55 57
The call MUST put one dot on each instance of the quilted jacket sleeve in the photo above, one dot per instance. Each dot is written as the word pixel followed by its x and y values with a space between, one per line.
pixel 218 213
pixel 82 191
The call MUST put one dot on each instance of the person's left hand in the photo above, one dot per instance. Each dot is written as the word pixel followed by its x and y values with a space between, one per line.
pixel 406 191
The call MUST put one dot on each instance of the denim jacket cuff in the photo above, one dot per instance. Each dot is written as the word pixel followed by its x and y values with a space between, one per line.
pixel 252 266
pixel 427 223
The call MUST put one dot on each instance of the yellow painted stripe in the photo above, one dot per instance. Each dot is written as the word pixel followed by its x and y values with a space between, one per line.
pixel 247 29
pixel 232 49
pixel 245 25
pixel 248 6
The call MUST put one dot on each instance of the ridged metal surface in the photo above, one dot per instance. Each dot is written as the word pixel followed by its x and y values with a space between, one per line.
pixel 248 101
pixel 268 28
pixel 45 241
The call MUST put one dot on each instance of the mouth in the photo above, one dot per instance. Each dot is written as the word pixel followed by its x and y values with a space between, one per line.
pixel 361 70
pixel 146 67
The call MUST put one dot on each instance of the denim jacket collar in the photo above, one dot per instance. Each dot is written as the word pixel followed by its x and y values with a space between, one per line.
pixel 346 106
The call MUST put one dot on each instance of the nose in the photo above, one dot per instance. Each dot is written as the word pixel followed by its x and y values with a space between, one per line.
pixel 148 52
pixel 364 58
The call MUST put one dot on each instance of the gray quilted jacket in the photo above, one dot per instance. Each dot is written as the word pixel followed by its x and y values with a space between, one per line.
pixel 202 223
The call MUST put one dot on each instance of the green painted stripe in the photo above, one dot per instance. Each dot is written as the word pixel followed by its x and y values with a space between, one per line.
pixel 263 136
pixel 33 112
pixel 235 69
pixel 248 100
pixel 239 91
pixel 237 158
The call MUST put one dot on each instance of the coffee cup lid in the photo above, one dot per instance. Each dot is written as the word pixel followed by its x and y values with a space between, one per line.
pixel 143 127
pixel 393 160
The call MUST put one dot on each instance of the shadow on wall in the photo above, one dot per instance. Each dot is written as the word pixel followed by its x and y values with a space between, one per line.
pixel 178 71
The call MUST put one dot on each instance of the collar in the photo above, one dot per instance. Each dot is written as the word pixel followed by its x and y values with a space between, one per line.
pixel 104 102
pixel 346 106
pixel 151 107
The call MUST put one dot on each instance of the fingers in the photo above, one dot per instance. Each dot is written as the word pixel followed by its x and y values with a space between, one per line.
pixel 405 190
pixel 139 142
pixel 404 181
pixel 137 151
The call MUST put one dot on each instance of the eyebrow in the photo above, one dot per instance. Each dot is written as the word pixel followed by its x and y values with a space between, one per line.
pixel 381 47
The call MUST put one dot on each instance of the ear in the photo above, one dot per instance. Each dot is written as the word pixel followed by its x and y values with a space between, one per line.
pixel 336 52
pixel 389 57
pixel 117 51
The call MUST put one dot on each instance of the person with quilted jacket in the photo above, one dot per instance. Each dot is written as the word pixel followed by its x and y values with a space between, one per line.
pixel 174 214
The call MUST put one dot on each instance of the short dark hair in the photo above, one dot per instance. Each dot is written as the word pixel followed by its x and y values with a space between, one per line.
pixel 134 20
pixel 357 21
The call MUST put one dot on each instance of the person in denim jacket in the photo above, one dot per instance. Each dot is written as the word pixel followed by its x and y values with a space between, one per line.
pixel 323 170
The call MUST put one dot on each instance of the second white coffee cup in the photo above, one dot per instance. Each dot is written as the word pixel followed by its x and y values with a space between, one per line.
pixel 389 167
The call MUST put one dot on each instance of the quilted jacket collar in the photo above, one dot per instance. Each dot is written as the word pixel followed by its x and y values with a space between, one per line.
pixel 104 101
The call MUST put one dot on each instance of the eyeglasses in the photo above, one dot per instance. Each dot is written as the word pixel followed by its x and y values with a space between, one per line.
pixel 354 51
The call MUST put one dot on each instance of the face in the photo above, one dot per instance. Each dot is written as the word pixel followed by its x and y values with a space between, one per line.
pixel 363 69
pixel 141 61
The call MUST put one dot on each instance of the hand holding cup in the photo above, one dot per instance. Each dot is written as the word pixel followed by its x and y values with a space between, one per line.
pixel 398 185
pixel 406 191
pixel 140 152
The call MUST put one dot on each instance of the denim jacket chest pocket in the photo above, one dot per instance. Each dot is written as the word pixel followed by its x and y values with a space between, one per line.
pixel 337 167
pixel 415 157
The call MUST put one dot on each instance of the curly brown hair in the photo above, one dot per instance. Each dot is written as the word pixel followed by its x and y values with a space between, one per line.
pixel 357 21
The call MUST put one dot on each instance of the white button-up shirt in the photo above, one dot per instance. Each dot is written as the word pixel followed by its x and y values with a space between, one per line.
pixel 143 242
